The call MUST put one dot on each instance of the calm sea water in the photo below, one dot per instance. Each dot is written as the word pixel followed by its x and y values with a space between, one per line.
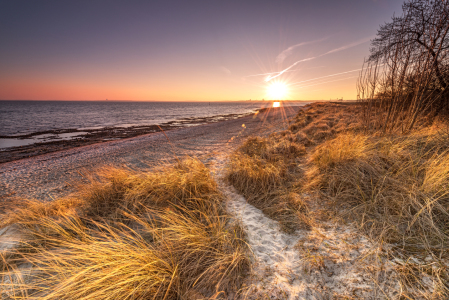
pixel 26 117
pixel 19 118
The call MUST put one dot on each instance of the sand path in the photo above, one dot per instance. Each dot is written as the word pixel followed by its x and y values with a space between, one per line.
pixel 328 261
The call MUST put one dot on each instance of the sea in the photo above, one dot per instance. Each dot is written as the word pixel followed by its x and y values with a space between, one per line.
pixel 21 122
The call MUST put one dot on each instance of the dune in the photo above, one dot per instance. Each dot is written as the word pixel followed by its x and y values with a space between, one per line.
pixel 316 207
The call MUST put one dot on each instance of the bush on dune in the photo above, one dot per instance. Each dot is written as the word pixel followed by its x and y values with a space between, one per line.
pixel 160 235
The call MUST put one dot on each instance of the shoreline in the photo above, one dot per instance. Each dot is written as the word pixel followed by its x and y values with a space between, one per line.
pixel 52 175
pixel 83 137
pixel 303 242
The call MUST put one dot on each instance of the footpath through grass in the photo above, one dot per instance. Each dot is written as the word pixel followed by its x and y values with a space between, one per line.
pixel 167 235
pixel 394 187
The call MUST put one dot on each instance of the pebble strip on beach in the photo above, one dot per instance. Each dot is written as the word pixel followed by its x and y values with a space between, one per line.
pixel 52 175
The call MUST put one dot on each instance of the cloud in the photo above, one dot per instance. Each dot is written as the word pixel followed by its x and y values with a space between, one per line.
pixel 287 52
pixel 225 70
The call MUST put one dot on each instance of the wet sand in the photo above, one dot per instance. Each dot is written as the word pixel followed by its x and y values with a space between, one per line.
pixel 43 142
pixel 52 175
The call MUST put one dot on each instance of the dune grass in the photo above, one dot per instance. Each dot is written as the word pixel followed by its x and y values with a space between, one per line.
pixel 158 235
pixel 166 235
pixel 262 170
pixel 395 187
pixel 269 172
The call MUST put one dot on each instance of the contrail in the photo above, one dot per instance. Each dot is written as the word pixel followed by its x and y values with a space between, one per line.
pixel 303 86
pixel 283 55
pixel 225 70
pixel 329 52
pixel 326 76
pixel 349 45
pixel 264 74
pixel 285 70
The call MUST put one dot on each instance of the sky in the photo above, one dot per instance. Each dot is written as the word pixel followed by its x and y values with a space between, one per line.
pixel 186 50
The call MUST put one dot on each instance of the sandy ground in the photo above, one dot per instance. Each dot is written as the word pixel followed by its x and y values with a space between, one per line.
pixel 330 260
pixel 323 263
pixel 51 175
pixel 49 141
pixel 327 261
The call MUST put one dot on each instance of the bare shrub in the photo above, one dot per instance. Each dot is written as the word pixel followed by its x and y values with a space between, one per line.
pixel 405 79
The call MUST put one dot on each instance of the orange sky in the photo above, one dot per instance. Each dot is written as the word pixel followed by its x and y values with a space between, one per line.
pixel 174 51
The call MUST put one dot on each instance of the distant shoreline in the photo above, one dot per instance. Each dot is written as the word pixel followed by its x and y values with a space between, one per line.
pixel 84 137
pixel 49 175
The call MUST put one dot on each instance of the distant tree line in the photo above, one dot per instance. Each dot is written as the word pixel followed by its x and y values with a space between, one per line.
pixel 406 76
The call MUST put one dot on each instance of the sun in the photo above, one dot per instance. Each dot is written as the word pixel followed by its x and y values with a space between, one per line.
pixel 277 90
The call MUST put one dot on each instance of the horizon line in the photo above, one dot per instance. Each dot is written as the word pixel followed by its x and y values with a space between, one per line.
pixel 247 100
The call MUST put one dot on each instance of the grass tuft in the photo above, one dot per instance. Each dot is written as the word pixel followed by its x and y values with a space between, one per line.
pixel 159 235
pixel 395 187
pixel 264 171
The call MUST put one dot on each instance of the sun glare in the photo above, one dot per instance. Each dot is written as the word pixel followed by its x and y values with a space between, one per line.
pixel 277 90
pixel 276 104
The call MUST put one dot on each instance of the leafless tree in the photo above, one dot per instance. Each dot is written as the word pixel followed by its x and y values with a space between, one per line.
pixel 407 73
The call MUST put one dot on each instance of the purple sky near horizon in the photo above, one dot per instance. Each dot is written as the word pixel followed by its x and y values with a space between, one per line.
pixel 185 50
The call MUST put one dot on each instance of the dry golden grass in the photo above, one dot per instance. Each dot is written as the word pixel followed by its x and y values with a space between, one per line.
pixel 395 187
pixel 166 235
pixel 263 171
pixel 269 171
pixel 159 235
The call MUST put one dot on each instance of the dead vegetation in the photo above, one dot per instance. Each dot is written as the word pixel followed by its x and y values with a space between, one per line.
pixel 406 77
pixel 166 234
pixel 158 235
pixel 269 172
pixel 262 170
pixel 395 187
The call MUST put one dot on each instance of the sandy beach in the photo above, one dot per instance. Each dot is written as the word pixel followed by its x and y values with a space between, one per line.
pixel 17 146
pixel 274 225
pixel 51 175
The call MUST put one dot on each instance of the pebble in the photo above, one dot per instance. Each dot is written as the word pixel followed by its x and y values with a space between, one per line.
pixel 48 176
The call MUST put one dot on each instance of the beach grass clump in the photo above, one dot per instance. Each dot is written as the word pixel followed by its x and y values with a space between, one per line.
pixel 396 188
pixel 111 191
pixel 344 148
pixel 264 171
pixel 268 172
pixel 319 122
pixel 158 235
pixel 398 185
